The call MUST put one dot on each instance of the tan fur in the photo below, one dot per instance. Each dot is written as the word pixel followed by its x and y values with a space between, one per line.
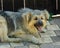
pixel 23 36
pixel 30 34
pixel 4 31
pixel 44 15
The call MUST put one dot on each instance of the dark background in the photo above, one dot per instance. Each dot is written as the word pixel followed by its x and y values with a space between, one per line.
pixel 34 4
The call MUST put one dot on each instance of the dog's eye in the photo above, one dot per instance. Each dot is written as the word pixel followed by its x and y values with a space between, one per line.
pixel 41 18
pixel 36 18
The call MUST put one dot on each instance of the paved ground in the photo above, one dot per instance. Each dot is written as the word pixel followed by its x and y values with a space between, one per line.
pixel 51 38
pixel 55 35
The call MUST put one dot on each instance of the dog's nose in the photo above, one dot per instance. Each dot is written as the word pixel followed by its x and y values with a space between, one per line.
pixel 40 23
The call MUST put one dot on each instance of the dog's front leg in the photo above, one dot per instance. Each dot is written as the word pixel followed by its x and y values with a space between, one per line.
pixel 25 37
pixel 29 38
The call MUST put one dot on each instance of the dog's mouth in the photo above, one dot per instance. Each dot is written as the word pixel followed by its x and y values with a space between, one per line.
pixel 39 26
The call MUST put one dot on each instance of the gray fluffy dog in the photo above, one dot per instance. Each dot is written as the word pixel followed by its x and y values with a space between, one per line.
pixel 24 25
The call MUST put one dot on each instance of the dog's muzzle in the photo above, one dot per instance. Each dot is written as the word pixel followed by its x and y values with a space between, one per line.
pixel 39 25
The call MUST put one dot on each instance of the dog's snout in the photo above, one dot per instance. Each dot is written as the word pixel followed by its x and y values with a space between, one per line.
pixel 40 23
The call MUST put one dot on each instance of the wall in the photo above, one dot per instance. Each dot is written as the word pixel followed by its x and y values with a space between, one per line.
pixel 34 4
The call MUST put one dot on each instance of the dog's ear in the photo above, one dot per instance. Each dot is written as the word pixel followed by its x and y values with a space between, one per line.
pixel 28 16
pixel 46 14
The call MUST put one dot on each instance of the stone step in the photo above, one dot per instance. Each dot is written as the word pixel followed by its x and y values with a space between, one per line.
pixel 21 47
pixel 53 27
pixel 46 40
pixel 16 44
pixel 4 45
pixel 48 33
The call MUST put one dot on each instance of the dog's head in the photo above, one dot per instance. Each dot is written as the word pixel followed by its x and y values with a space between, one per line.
pixel 42 18
pixel 35 23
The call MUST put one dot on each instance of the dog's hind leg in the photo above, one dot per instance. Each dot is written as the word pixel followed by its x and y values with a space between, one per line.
pixel 4 32
pixel 5 38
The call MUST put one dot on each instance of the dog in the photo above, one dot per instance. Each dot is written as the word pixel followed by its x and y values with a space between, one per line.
pixel 24 26
pixel 41 14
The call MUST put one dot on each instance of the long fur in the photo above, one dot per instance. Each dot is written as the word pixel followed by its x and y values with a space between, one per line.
pixel 19 26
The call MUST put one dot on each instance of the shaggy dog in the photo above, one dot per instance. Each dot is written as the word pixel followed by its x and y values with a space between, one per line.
pixel 24 25
pixel 42 15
